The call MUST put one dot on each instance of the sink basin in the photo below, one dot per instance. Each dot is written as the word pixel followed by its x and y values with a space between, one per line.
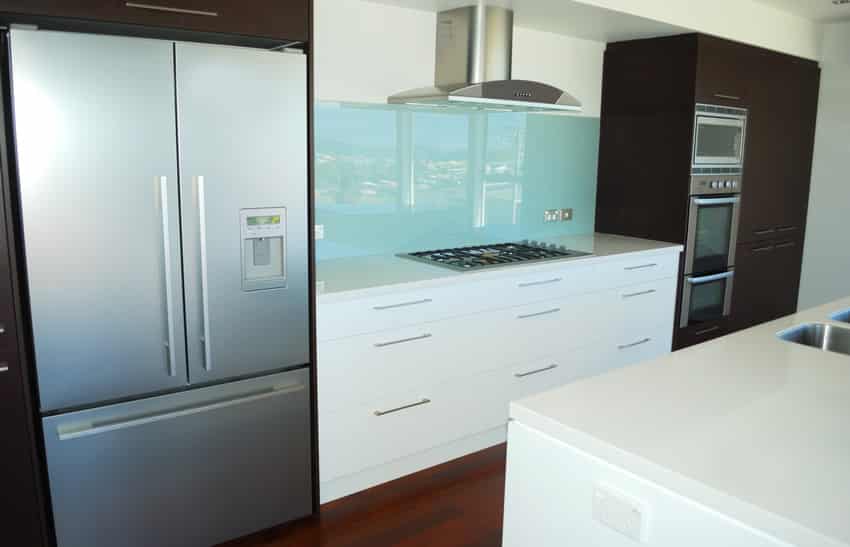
pixel 819 335
pixel 843 316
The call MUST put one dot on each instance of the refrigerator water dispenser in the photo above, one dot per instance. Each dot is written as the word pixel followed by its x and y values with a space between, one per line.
pixel 263 248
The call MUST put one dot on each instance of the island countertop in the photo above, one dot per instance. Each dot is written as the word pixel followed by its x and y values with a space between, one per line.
pixel 749 425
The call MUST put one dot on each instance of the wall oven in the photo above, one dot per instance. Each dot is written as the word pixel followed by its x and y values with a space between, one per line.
pixel 719 136
pixel 712 233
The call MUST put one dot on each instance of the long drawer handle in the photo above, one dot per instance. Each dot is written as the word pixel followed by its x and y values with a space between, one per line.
pixel 727 97
pixel 75 431
pixel 2 328
pixel 764 249
pixel 403 340
pixel 403 304
pixel 785 245
pixel 170 9
pixel 4 367
pixel 764 232
pixel 403 407
pixel 537 371
pixel 538 283
pixel 641 267
pixel 786 228
pixel 706 331
pixel 641 293
pixel 633 344
pixel 538 314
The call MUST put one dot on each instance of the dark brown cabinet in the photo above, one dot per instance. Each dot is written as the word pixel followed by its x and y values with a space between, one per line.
pixel 277 19
pixel 767 280
pixel 724 73
pixel 649 95
pixel 21 509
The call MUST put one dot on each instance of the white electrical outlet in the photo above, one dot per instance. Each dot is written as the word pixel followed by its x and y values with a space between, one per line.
pixel 551 215
pixel 621 513
pixel 566 214
pixel 319 231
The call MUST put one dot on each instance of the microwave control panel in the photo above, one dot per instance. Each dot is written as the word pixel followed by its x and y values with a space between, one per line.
pixel 263 248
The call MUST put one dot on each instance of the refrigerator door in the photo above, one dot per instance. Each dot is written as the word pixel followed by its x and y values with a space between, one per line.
pixel 242 125
pixel 97 161
pixel 191 469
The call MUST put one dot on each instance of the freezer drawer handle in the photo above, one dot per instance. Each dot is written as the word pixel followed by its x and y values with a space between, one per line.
pixel 537 371
pixel 170 9
pixel 538 283
pixel 641 267
pixel 727 97
pixel 633 344
pixel 785 245
pixel 202 220
pixel 403 340
pixel 403 407
pixel 402 304
pixel 75 431
pixel 538 314
pixel 641 293
pixel 166 259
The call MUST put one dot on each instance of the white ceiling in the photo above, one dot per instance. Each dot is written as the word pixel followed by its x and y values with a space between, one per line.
pixel 569 18
pixel 816 10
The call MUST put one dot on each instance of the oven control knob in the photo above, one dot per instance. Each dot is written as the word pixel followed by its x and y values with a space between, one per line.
pixel 715 184
pixel 728 184
pixel 734 184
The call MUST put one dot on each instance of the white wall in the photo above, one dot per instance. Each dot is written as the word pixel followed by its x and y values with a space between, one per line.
pixel 366 52
pixel 741 20
pixel 826 260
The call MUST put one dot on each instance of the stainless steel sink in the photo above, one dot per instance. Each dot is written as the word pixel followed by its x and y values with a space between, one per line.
pixel 819 335
pixel 843 316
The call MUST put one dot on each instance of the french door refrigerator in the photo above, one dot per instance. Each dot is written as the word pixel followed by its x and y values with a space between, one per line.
pixel 163 194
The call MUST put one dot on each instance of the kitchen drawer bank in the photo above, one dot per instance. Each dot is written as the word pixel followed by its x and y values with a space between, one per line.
pixel 413 375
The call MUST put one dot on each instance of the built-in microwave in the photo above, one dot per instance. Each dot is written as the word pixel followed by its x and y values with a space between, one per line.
pixel 719 136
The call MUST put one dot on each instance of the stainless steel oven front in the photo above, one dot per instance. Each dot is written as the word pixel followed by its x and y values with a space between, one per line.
pixel 706 298
pixel 712 233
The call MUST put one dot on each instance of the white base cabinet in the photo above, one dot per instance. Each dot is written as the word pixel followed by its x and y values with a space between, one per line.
pixel 410 379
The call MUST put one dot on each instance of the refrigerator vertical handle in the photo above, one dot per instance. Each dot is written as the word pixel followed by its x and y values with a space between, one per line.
pixel 202 220
pixel 166 256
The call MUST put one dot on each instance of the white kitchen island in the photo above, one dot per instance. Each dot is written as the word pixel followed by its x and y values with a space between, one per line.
pixel 742 441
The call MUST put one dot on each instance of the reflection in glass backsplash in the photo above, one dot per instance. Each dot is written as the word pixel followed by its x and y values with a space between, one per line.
pixel 395 179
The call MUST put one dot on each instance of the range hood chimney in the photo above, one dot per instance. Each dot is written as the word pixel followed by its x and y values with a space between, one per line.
pixel 473 68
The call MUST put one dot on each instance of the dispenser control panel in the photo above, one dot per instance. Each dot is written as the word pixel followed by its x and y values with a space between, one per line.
pixel 263 248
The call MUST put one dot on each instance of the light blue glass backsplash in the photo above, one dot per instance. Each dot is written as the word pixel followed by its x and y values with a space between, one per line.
pixel 396 179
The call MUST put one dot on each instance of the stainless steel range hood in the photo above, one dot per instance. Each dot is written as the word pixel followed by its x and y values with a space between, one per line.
pixel 473 67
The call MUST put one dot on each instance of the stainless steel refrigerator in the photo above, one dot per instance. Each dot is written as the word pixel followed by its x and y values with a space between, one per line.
pixel 164 195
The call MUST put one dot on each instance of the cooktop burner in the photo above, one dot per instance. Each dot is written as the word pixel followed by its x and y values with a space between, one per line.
pixel 464 259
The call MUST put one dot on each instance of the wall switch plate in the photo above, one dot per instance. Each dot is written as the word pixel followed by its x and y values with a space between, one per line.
pixel 566 214
pixel 620 513
pixel 319 231
pixel 552 215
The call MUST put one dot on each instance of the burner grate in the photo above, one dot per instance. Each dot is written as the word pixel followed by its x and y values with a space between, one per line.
pixel 486 256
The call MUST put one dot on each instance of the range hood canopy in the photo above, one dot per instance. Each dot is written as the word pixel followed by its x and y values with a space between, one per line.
pixel 473 68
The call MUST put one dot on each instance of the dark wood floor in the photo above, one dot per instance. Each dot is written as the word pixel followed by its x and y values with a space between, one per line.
pixel 457 504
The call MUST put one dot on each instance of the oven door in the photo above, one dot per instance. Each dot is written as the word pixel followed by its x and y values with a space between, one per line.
pixel 719 140
pixel 712 234
pixel 706 298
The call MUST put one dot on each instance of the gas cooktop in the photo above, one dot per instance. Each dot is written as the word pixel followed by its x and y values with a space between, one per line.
pixel 464 259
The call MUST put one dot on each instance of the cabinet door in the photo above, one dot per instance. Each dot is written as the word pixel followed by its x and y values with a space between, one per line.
pixel 288 20
pixel 767 280
pixel 780 142
pixel 724 72
pixel 19 504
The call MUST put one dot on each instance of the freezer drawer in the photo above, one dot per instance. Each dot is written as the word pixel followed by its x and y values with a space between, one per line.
pixel 183 470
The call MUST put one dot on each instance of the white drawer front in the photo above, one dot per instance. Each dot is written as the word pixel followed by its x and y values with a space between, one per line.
pixel 648 303
pixel 548 373
pixel 640 344
pixel 639 269
pixel 364 436
pixel 364 368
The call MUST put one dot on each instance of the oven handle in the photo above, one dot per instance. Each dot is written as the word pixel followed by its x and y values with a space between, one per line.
pixel 709 278
pixel 717 201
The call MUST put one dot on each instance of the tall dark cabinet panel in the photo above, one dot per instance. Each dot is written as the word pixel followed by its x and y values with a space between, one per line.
pixel 21 505
pixel 650 90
